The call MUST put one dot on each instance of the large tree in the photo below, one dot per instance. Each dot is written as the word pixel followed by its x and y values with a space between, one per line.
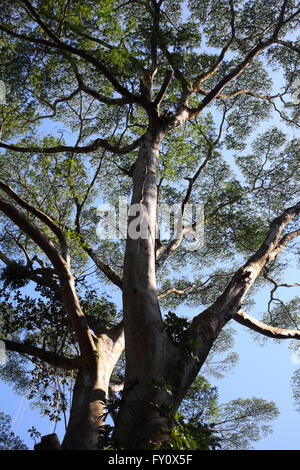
pixel 152 100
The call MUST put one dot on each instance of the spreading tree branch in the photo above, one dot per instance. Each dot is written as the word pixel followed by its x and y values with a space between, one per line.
pixel 109 272
pixel 229 302
pixel 184 113
pixel 164 88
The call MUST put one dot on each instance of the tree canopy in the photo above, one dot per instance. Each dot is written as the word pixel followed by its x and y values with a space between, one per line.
pixel 164 103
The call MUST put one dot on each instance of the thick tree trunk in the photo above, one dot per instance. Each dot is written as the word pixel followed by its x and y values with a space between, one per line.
pixel 88 411
pixel 142 317
pixel 157 372
pixel 147 345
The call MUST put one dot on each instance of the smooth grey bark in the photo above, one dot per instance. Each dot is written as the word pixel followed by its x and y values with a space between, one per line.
pixel 147 344
pixel 141 307
pixel 158 372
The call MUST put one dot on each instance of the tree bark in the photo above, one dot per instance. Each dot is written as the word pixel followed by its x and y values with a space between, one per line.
pixel 88 411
